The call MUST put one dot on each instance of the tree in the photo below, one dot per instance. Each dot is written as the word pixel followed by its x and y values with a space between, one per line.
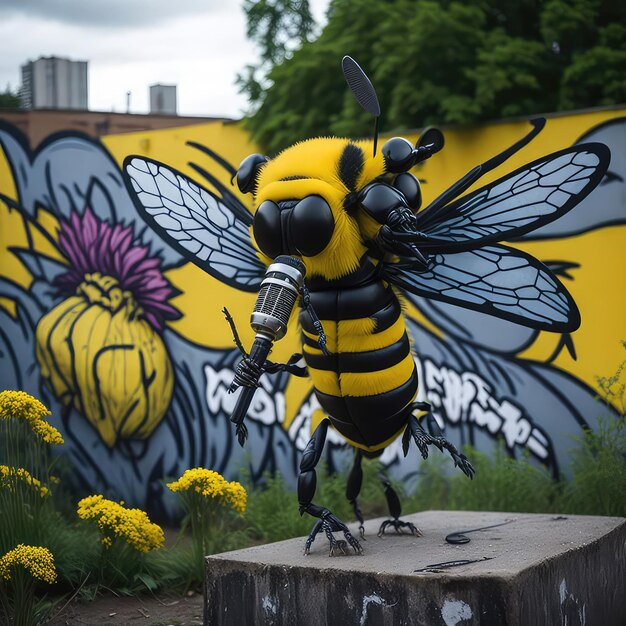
pixel 9 99
pixel 440 61
pixel 277 27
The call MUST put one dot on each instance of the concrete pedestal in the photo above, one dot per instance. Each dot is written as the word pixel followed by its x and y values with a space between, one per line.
pixel 535 570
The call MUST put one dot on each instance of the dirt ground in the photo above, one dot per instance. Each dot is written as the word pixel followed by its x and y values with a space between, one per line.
pixel 145 611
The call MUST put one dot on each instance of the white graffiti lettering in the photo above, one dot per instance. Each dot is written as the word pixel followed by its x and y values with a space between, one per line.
pixel 267 406
pixel 456 397
pixel 465 397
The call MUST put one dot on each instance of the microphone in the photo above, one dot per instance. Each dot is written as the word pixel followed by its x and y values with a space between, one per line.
pixel 277 297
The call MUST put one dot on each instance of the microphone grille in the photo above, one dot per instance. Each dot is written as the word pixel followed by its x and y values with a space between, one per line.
pixel 276 301
pixel 277 297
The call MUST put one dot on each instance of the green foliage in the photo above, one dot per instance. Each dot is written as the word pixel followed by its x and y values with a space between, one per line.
pixel 276 26
pixel 273 515
pixel 451 35
pixel 598 483
pixel 273 512
pixel 9 99
pixel 595 77
pixel 510 78
pixel 433 487
pixel 441 62
pixel 505 484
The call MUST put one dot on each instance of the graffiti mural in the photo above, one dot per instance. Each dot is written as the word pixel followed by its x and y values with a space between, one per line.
pixel 125 341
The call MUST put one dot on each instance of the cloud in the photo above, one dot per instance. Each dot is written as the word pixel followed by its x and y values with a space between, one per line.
pixel 201 54
pixel 199 45
pixel 109 13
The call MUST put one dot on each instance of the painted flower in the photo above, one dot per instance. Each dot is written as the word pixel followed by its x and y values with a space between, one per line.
pixel 101 349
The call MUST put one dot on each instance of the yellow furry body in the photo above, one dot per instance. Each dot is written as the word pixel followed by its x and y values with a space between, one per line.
pixel 358 335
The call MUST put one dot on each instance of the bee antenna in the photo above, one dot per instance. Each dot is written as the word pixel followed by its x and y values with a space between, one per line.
pixel 375 133
pixel 363 90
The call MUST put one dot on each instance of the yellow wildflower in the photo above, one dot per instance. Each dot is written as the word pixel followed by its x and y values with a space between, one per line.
pixel 21 405
pixel 47 432
pixel 107 542
pixel 237 496
pixel 132 525
pixel 36 560
pixel 9 475
pixel 211 484
pixel 205 481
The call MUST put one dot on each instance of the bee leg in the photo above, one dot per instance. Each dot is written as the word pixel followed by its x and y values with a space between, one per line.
pixel 307 482
pixel 353 488
pixel 247 374
pixel 233 328
pixel 398 233
pixel 311 538
pixel 395 510
pixel 423 440
pixel 291 366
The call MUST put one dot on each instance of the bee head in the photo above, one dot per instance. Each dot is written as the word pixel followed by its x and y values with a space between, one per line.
pixel 305 198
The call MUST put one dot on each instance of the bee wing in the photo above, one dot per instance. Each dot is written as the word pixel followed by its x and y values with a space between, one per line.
pixel 495 280
pixel 528 198
pixel 205 229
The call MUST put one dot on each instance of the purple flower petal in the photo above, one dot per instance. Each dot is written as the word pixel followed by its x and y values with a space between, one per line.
pixel 92 245
pixel 132 259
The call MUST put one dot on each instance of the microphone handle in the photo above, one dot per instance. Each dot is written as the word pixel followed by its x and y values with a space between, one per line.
pixel 258 354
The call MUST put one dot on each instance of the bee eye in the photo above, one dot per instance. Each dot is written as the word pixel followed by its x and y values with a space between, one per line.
pixel 248 171
pixel 399 155
pixel 409 186
pixel 267 229
pixel 312 225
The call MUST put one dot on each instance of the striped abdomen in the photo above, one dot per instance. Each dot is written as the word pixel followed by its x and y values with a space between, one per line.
pixel 369 378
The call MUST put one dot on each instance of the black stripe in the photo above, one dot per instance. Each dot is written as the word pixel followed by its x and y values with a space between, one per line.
pixel 384 319
pixel 387 317
pixel 370 419
pixel 350 165
pixel 361 362
pixel 350 304
pixel 312 343
pixel 286 178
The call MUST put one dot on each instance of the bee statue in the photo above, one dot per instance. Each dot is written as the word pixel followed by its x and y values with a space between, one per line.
pixel 338 226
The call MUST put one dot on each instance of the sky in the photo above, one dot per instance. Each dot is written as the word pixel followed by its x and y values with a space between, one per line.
pixel 198 45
